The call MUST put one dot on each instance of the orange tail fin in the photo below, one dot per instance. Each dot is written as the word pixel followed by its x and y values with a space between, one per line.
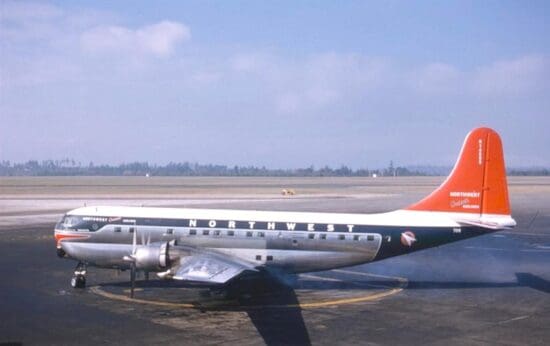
pixel 477 183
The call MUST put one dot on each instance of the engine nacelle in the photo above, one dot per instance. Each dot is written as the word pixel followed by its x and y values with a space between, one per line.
pixel 153 257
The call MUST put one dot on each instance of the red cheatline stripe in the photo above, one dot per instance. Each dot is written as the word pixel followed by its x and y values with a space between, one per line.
pixel 60 237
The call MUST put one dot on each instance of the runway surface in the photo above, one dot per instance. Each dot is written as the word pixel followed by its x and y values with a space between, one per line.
pixel 494 289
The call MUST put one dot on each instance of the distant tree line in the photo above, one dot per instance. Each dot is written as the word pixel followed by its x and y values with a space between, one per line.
pixel 535 171
pixel 70 167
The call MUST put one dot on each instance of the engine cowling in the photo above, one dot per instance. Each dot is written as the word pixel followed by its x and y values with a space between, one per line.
pixel 153 257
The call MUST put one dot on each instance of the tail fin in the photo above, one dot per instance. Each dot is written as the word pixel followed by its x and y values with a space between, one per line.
pixel 477 183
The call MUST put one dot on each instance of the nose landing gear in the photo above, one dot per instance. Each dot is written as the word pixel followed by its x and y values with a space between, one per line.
pixel 60 252
pixel 79 278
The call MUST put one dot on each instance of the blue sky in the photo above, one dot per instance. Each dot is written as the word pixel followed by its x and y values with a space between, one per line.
pixel 280 84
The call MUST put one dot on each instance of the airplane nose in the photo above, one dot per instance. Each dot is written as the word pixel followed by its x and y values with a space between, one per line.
pixel 62 236
pixel 60 252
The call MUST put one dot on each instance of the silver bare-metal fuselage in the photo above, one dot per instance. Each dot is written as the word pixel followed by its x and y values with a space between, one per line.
pixel 292 242
pixel 292 251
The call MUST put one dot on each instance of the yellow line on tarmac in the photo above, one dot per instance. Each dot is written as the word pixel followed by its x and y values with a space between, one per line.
pixel 346 301
pixel 319 278
pixel 402 281
pixel 318 304
pixel 99 291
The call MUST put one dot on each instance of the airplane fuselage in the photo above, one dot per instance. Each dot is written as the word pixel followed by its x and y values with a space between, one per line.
pixel 294 242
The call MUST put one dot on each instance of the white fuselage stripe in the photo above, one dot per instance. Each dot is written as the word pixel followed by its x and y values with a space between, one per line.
pixel 405 218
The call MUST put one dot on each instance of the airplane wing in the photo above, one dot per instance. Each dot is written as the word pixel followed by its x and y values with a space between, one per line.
pixel 209 267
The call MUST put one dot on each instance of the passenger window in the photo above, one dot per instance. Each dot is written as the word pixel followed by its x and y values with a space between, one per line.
pixel 342 237
pixel 249 234
pixel 355 237
pixel 311 235
pixel 131 230
pixel 370 237
pixel 258 257
pixel 269 258
pixel 192 232
pixel 205 232
pixel 118 229
pixel 261 234
pixel 231 233
pixel 169 231
pixel 217 232
pixel 323 236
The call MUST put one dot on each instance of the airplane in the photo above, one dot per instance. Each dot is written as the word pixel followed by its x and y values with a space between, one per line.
pixel 216 246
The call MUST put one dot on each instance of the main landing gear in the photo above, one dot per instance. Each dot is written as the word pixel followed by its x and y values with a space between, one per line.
pixel 79 278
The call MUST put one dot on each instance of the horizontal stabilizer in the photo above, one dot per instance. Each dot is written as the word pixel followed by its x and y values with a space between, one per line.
pixel 483 224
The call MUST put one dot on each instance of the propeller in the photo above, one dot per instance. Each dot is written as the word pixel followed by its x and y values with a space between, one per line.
pixel 132 260
pixel 133 264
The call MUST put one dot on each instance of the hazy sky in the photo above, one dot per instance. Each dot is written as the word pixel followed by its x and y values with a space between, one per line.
pixel 282 83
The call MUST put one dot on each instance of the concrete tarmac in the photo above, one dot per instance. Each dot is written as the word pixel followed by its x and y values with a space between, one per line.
pixel 493 289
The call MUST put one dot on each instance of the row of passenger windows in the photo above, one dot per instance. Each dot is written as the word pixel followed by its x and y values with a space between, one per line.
pixel 231 233
pixel 119 229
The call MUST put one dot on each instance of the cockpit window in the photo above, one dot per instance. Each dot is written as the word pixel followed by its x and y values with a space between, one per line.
pixel 71 220
pixel 68 222
pixel 81 223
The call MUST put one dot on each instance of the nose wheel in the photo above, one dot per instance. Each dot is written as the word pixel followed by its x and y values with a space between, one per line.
pixel 79 278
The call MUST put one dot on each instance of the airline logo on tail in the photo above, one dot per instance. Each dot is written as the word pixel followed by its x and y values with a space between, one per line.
pixel 465 200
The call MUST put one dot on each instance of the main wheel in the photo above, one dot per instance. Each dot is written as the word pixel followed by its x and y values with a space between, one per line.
pixel 78 281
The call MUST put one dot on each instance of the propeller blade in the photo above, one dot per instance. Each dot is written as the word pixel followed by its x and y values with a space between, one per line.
pixel 132 279
pixel 134 241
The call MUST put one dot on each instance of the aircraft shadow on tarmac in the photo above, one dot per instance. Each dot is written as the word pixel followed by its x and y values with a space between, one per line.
pixel 274 308
pixel 271 305
pixel 533 281
pixel 523 280
pixel 276 326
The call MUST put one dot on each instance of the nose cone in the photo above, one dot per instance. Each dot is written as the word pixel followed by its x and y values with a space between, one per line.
pixel 66 236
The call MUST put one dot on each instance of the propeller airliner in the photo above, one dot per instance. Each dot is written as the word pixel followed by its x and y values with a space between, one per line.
pixel 217 246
